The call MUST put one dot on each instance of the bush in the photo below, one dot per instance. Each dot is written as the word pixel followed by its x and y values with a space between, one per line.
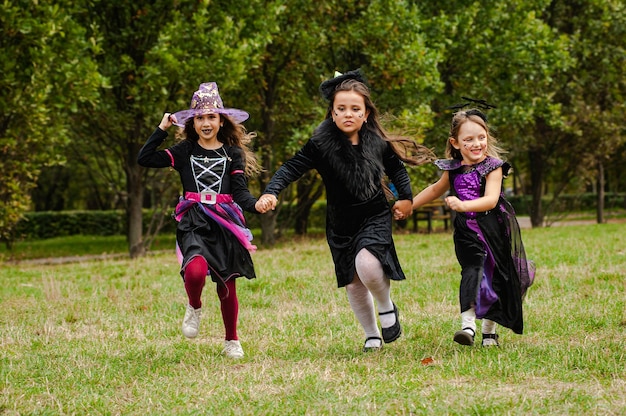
pixel 570 203
pixel 48 224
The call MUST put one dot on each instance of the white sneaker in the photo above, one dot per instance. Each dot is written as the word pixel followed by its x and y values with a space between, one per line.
pixel 232 349
pixel 191 321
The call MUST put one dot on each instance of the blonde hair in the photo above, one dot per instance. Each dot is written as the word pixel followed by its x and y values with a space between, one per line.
pixel 479 118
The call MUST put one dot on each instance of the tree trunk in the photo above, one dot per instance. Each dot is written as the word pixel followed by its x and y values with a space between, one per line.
pixel 268 226
pixel 309 190
pixel 266 137
pixel 134 205
pixel 536 186
pixel 600 194
pixel 268 220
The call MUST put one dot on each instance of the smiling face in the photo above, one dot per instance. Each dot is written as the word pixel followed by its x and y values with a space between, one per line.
pixel 207 126
pixel 349 113
pixel 471 142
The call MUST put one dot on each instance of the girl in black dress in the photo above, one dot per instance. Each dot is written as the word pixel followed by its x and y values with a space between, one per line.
pixel 213 162
pixel 352 154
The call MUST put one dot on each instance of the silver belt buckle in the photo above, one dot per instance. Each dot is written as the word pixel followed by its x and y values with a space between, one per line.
pixel 208 197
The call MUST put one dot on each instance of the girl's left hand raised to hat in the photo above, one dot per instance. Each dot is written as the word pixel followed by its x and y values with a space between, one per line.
pixel 167 120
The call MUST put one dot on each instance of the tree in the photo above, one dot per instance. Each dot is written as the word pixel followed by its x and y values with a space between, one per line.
pixel 155 54
pixel 516 67
pixel 595 87
pixel 553 68
pixel 47 76
pixel 309 41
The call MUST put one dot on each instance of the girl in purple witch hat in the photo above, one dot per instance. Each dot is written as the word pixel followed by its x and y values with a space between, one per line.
pixel 352 154
pixel 213 162
pixel 494 271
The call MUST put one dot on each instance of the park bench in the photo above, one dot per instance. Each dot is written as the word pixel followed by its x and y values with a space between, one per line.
pixel 435 210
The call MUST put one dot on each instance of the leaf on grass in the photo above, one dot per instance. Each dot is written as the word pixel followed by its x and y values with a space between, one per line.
pixel 427 361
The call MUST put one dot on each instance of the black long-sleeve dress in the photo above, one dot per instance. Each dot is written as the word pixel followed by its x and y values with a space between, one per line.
pixel 216 230
pixel 358 213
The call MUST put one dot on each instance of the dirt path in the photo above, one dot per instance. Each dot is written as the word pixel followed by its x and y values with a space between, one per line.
pixel 524 222
pixel 78 259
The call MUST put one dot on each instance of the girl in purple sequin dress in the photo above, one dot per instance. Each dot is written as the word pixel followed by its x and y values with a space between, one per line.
pixel 494 271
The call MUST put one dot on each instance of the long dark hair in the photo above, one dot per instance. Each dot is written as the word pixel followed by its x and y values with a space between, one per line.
pixel 231 134
pixel 407 149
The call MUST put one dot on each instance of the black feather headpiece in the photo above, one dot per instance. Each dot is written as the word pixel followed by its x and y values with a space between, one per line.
pixel 328 87
pixel 481 104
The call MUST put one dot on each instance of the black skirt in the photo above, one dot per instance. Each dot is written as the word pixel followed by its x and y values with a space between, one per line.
pixel 199 235
pixel 350 228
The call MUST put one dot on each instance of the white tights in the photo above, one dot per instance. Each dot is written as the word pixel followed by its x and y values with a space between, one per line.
pixel 468 320
pixel 368 284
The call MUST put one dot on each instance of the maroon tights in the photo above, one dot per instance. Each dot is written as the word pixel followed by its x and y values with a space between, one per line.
pixel 195 278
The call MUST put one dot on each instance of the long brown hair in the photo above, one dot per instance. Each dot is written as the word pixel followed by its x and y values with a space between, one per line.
pixel 405 148
pixel 231 134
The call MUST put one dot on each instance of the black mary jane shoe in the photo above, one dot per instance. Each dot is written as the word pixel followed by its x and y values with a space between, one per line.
pixel 490 344
pixel 372 349
pixel 463 337
pixel 393 332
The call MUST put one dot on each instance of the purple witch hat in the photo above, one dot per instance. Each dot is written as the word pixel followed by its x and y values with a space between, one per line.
pixel 207 100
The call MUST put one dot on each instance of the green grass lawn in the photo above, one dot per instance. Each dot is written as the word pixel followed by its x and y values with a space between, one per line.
pixel 103 336
pixel 78 245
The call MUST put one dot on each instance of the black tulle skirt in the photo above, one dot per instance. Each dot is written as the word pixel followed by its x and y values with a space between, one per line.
pixel 199 234
pixel 495 273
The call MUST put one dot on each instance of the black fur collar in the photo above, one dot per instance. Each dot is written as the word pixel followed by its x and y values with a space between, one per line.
pixel 359 168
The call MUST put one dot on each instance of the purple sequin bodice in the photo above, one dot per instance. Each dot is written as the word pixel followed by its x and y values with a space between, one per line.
pixel 467 182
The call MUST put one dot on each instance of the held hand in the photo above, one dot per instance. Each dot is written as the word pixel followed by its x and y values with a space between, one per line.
pixel 265 203
pixel 261 206
pixel 402 209
pixel 167 120
pixel 272 201
pixel 455 203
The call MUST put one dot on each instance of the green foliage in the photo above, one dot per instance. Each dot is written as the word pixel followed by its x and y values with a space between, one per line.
pixel 570 204
pixel 307 42
pixel 155 54
pixel 551 69
pixel 84 83
pixel 43 225
pixel 47 75
pixel 501 52
pixel 50 224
